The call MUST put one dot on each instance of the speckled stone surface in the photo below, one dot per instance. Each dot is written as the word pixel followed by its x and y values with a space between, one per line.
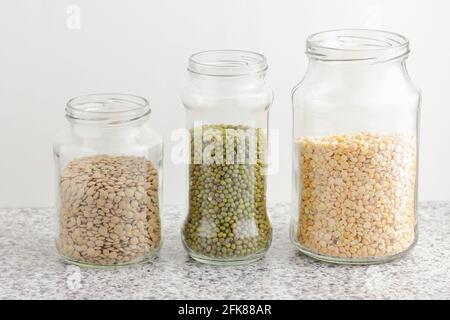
pixel 31 269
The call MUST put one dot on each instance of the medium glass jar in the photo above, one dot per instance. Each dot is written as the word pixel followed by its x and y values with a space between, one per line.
pixel 109 196
pixel 355 135
pixel 227 103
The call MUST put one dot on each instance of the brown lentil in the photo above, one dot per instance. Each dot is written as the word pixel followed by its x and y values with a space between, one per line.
pixel 357 194
pixel 108 210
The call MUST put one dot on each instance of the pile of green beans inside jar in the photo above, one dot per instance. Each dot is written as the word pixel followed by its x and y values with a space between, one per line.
pixel 227 218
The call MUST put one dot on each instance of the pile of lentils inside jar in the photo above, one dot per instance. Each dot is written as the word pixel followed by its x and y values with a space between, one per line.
pixel 108 210
pixel 227 216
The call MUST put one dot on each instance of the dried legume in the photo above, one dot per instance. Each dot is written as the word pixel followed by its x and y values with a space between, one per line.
pixel 357 194
pixel 227 203
pixel 108 211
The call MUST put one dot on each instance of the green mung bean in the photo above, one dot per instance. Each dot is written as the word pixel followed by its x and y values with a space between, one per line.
pixel 227 215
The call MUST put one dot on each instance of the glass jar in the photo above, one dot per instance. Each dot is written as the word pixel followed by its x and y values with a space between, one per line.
pixel 227 103
pixel 355 135
pixel 109 191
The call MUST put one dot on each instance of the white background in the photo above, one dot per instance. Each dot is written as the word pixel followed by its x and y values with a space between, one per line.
pixel 142 47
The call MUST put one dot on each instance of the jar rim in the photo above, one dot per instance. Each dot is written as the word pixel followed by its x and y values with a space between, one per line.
pixel 349 45
pixel 227 63
pixel 107 108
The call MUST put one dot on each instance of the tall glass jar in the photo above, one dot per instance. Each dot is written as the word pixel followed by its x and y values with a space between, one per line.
pixel 109 193
pixel 227 103
pixel 355 135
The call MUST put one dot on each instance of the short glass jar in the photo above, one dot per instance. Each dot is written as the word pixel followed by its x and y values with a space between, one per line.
pixel 109 191
pixel 227 102
pixel 355 135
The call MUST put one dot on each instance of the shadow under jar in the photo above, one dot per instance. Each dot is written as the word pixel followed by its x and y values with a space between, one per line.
pixel 108 164
pixel 355 148
pixel 227 103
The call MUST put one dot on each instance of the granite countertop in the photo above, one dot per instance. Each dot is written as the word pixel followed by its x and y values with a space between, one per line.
pixel 31 269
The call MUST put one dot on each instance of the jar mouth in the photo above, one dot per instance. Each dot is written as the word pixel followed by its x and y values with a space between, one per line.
pixel 107 108
pixel 227 63
pixel 348 45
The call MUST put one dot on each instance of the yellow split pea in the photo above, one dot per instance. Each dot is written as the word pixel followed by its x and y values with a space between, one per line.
pixel 357 197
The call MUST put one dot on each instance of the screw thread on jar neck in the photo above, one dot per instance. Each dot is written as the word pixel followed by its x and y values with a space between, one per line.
pixel 357 45
pixel 227 63
pixel 107 109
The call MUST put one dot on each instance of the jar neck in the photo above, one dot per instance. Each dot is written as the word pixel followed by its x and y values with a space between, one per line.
pixel 228 83
pixel 84 125
pixel 356 70
pixel 118 133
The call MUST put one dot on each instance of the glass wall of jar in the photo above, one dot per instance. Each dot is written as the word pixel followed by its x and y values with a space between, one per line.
pixel 355 135
pixel 109 192
pixel 227 103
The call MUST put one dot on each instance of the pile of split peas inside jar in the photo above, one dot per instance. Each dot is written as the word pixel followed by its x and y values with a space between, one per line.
pixel 357 197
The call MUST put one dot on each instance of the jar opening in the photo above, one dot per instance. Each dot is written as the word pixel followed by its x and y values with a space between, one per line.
pixel 227 63
pixel 107 108
pixel 347 45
